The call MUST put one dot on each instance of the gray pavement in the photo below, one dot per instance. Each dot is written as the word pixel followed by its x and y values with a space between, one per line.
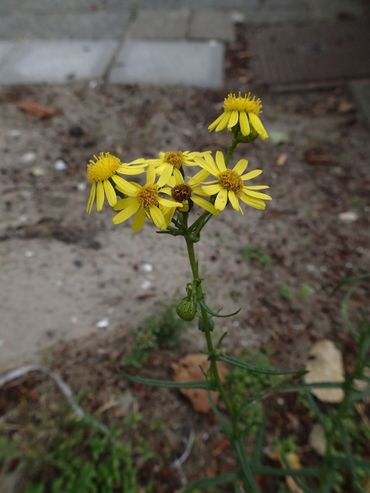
pixel 139 41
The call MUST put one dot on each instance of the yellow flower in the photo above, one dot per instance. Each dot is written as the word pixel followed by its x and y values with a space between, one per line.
pixel 230 187
pixel 242 110
pixel 144 201
pixel 101 172
pixel 167 162
pixel 182 191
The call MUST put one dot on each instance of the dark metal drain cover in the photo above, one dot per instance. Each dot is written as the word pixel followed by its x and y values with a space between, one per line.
pixel 320 54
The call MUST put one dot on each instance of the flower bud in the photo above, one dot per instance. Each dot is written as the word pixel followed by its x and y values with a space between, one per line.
pixel 186 309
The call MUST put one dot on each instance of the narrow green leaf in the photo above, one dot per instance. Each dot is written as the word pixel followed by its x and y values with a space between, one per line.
pixel 257 369
pixel 297 479
pixel 277 471
pixel 258 449
pixel 201 384
pixel 350 280
pixel 245 467
pixel 211 482
pixel 223 422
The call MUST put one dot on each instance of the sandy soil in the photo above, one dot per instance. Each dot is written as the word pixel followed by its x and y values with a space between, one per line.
pixel 61 271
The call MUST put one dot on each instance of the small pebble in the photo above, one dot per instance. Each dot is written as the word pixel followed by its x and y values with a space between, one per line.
pixel 38 171
pixel 28 157
pixel 60 165
pixel 103 323
pixel 348 217
pixel 237 17
pixel 14 133
pixel 81 186
pixel 146 284
pixel 29 253
pixel 147 267
pixel 74 320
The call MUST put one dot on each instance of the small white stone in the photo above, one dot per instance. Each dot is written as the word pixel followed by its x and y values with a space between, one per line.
pixel 348 216
pixel 23 218
pixel 29 253
pixel 81 186
pixel 237 17
pixel 147 267
pixel 146 284
pixel 38 171
pixel 93 84
pixel 280 401
pixel 14 133
pixel 28 157
pixel 103 323
pixel 60 165
pixel 74 320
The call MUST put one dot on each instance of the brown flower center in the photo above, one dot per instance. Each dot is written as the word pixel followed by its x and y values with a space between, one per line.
pixel 230 180
pixel 174 158
pixel 181 192
pixel 148 196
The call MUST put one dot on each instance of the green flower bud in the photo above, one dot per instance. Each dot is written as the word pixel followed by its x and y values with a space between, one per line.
pixel 186 309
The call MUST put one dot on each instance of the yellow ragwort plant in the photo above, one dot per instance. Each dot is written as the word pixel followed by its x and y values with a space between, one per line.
pixel 178 186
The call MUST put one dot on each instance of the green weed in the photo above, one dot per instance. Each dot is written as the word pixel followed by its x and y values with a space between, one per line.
pixel 257 254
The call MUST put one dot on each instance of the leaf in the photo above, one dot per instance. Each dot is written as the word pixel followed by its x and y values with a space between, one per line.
pixel 218 480
pixel 199 384
pixel 37 110
pixel 256 369
pixel 193 367
pixel 325 364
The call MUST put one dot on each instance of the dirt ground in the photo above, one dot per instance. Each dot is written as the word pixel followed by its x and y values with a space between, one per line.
pixel 63 271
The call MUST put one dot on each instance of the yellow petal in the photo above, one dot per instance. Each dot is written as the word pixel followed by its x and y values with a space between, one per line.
pixel 150 175
pixel 126 213
pixel 168 203
pixel 234 201
pixel 178 178
pixel 256 203
pixel 209 164
pixel 241 166
pixel 125 187
pixel 220 161
pixel 198 178
pixel 99 196
pixel 257 187
pixel 123 203
pixel 157 217
pixel 91 198
pixel 214 124
pixel 233 119
pixel 251 174
pixel 205 204
pixel 258 126
pixel 139 220
pixel 221 199
pixel 256 195
pixel 110 193
pixel 131 170
pixel 165 175
pixel 223 122
pixel 211 189
pixel 244 123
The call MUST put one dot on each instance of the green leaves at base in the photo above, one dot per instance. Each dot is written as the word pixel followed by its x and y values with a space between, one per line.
pixel 151 382
pixel 218 480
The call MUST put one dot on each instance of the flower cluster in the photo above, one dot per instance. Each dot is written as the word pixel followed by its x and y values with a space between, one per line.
pixel 170 186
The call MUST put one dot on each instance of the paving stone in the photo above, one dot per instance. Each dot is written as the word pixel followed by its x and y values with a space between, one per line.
pixel 64 6
pixel 201 4
pixel 97 25
pixel 278 12
pixel 361 94
pixel 334 9
pixel 170 63
pixel 57 61
pixel 212 24
pixel 7 49
pixel 160 24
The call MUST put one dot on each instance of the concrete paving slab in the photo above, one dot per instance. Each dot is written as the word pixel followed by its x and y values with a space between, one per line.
pixel 201 4
pixel 212 24
pixel 64 6
pixel 334 9
pixel 361 94
pixel 7 49
pixel 278 12
pixel 170 63
pixel 90 25
pixel 57 61
pixel 160 24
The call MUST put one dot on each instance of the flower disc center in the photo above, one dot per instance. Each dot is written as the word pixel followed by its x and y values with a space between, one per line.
pixel 175 158
pixel 102 168
pixel 247 103
pixel 148 196
pixel 230 180
pixel 181 192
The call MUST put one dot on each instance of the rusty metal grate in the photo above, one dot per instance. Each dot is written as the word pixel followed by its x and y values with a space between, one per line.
pixel 318 54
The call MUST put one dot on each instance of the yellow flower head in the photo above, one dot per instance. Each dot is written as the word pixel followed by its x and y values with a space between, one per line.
pixel 184 191
pixel 242 110
pixel 144 201
pixel 229 185
pixel 102 174
pixel 168 162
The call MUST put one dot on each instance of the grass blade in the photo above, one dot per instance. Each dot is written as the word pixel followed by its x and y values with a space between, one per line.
pixel 256 369
pixel 211 482
pixel 151 382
